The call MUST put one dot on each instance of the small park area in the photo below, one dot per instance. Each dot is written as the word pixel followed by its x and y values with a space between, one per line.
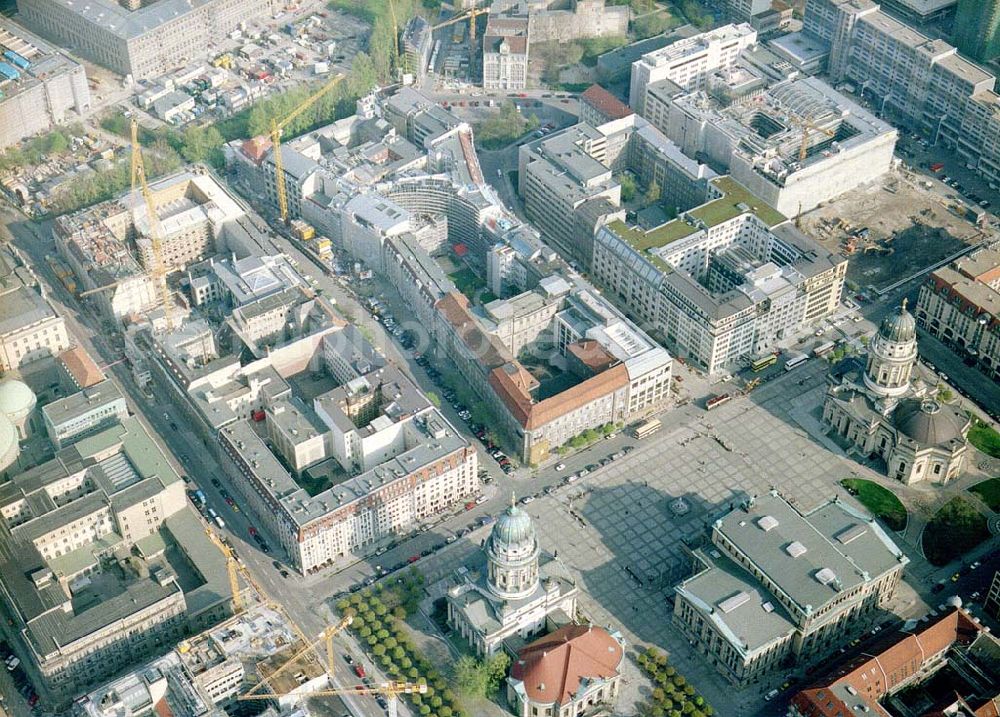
pixel 989 492
pixel 881 502
pixel 955 530
pixel 985 438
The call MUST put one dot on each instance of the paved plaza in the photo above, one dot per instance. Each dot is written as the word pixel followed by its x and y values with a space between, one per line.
pixel 616 532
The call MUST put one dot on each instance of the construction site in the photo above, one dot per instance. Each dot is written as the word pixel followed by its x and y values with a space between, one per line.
pixel 891 230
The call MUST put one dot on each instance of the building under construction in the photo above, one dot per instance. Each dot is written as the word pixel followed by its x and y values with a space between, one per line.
pixel 795 143
pixel 109 248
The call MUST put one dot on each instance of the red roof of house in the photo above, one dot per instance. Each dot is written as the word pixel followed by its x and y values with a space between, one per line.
pixel 605 102
pixel 553 667
pixel 256 147
pixel 81 367
pixel 872 674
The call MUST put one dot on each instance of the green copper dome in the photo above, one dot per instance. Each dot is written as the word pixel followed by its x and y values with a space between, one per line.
pixel 514 528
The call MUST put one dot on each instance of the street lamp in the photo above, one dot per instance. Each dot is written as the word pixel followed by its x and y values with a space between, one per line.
pixel 937 132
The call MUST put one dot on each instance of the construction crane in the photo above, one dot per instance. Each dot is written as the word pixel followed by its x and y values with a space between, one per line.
pixel 471 15
pixel 326 636
pixel 276 129
pixel 234 583
pixel 808 126
pixel 159 268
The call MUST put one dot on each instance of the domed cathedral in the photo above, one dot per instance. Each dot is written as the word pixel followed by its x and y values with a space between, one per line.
pixel 519 593
pixel 882 409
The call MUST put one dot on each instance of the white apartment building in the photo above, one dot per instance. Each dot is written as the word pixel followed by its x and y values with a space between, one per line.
pixel 688 63
pixel 82 413
pixel 435 469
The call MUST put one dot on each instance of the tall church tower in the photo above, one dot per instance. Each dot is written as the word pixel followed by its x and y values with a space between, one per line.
pixel 892 354
pixel 512 556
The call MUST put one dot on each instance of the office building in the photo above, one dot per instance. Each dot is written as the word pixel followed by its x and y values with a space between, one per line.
pixel 570 672
pixel 885 409
pixel 49 88
pixel 79 368
pixel 688 62
pixel 923 83
pixel 773 583
pixel 94 544
pixel 569 185
pixel 517 593
pixel 30 328
pixel 370 458
pixel 977 29
pixel 598 106
pixel 618 373
pixel 960 305
pixel 141 41
pixel 722 282
pixel 991 602
pixel 906 667
pixel 78 415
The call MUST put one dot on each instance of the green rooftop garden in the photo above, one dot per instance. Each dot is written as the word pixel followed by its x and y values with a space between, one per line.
pixel 734 203
pixel 728 206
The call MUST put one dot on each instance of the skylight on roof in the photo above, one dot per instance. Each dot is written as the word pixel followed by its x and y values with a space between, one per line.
pixel 825 576
pixel 795 549
pixel 734 601
pixel 767 522
pixel 851 533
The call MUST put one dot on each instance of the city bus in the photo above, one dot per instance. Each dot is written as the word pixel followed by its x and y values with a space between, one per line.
pixel 716 401
pixel 648 428
pixel 824 348
pixel 759 363
pixel 795 362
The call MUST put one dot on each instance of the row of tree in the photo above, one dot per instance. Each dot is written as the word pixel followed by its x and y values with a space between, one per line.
pixel 672 695
pixel 378 614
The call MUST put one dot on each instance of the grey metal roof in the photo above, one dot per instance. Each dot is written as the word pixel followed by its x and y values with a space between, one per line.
pixel 930 423
pixel 736 604
pixel 763 529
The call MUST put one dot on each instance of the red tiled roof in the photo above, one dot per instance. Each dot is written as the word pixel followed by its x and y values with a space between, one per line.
pixel 605 102
pixel 871 675
pixel 81 367
pixel 591 354
pixel 553 667
pixel 534 415
pixel 256 147
pixel 454 307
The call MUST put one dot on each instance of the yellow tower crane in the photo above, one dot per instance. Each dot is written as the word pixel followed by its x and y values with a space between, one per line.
pixel 159 268
pixel 470 15
pixel 276 129
pixel 326 637
pixel 234 583
pixel 807 127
